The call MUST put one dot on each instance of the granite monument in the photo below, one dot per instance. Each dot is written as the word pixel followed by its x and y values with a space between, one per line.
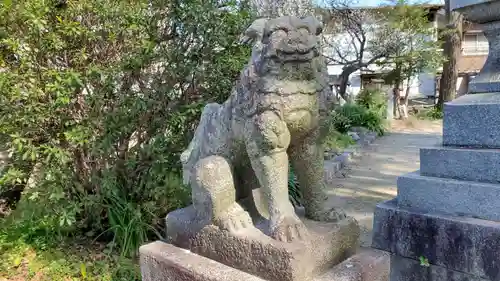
pixel 444 223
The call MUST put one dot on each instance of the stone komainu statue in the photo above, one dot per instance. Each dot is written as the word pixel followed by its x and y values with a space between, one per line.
pixel 271 117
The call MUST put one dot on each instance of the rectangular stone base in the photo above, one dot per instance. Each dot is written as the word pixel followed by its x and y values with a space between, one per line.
pixel 254 252
pixel 467 198
pixel 472 120
pixel 467 245
pixel 403 269
pixel 482 165
pixel 164 262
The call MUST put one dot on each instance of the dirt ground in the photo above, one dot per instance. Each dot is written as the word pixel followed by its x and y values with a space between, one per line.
pixel 372 177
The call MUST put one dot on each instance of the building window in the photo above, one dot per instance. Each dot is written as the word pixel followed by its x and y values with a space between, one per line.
pixel 475 44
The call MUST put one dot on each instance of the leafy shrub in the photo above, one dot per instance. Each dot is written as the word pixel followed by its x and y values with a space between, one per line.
pixel 374 100
pixel 338 122
pixel 100 97
pixel 338 141
pixel 358 116
pixel 433 113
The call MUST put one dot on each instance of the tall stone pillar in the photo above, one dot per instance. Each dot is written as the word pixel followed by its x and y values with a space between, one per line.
pixel 445 222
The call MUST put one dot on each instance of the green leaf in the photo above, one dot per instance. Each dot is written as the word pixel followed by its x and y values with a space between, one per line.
pixel 7 3
pixel 34 195
pixel 17 261
pixel 83 270
pixel 424 261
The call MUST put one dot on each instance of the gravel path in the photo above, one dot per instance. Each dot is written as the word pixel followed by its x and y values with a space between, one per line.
pixel 372 177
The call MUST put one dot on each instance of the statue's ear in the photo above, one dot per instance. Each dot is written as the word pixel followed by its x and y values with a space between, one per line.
pixel 254 32
pixel 315 26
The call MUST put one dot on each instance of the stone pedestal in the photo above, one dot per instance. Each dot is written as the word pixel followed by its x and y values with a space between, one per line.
pixel 445 222
pixel 195 250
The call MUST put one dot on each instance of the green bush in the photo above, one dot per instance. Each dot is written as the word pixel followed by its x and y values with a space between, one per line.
pixel 357 116
pixel 433 113
pixel 100 97
pixel 374 100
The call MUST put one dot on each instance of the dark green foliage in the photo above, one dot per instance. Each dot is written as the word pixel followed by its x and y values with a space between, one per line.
pixel 338 122
pixel 294 193
pixel 374 100
pixel 360 116
pixel 100 97
pixel 433 113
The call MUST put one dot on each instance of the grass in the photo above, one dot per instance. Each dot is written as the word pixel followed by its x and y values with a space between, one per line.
pixel 337 141
pixel 431 113
pixel 28 255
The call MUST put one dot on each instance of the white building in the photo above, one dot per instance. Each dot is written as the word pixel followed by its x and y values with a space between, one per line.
pixel 422 85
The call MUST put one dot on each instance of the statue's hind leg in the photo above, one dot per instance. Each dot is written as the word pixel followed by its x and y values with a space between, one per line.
pixel 214 194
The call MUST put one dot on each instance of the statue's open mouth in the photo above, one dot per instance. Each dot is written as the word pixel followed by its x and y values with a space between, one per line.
pixel 299 55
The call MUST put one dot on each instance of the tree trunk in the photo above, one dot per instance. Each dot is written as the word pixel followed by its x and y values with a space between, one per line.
pixel 452 49
pixel 343 82
pixel 396 92
pixel 404 100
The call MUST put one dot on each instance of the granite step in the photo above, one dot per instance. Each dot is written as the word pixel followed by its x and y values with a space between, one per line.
pixel 403 269
pixel 472 120
pixel 468 245
pixel 466 198
pixel 482 165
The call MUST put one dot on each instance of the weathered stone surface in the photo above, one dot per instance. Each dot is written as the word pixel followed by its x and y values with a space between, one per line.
pixel 472 120
pixel 368 265
pixel 464 198
pixel 272 116
pixel 468 245
pixel 486 13
pixel 331 171
pixel 403 269
pixel 482 165
pixel 164 262
pixel 253 251
pixel 487 81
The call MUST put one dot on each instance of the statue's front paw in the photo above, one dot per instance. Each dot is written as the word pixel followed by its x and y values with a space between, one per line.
pixel 234 225
pixel 234 220
pixel 288 229
pixel 330 215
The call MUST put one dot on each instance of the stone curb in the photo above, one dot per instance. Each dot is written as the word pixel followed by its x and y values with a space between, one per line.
pixel 336 164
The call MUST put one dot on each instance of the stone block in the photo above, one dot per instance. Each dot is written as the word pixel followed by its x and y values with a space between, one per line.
pixel 472 120
pixel 403 269
pixel 164 262
pixel 468 245
pixel 343 159
pixel 331 170
pixel 456 197
pixel 482 165
pixel 367 265
pixel 161 261
pixel 253 251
